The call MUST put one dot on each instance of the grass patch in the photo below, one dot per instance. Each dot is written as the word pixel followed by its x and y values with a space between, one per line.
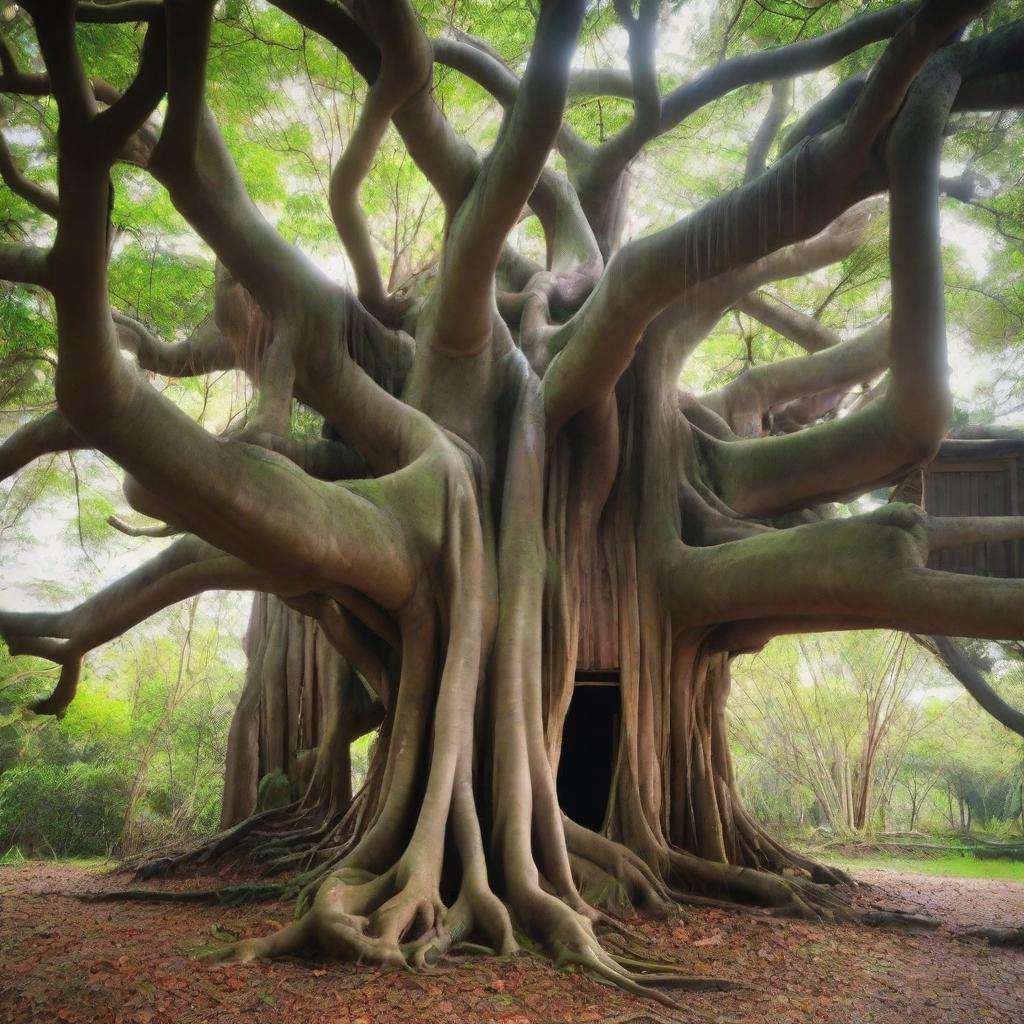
pixel 14 857
pixel 948 865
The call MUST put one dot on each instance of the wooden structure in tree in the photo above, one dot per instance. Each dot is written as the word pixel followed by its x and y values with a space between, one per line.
pixel 972 478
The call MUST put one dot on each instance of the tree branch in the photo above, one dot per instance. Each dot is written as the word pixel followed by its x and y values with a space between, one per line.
pixel 891 78
pixel 207 350
pixel 243 499
pixel 698 268
pixel 952 656
pixel 41 198
pixel 191 160
pixel 761 144
pixel 186 568
pixel 867 569
pixel 955 531
pixel 448 162
pixel 614 155
pixel 641 30
pixel 405 67
pixel 903 426
pixel 745 401
pixel 503 186
pixel 43 436
pixel 28 83
pixel 494 75
pixel 807 332
pixel 24 264
pixel 572 247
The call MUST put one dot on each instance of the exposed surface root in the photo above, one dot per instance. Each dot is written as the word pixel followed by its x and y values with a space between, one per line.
pixel 997 936
pixel 228 895
pixel 222 845
pixel 888 916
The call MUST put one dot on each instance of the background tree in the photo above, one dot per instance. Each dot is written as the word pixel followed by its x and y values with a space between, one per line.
pixel 138 758
pixel 835 719
pixel 804 710
pixel 509 478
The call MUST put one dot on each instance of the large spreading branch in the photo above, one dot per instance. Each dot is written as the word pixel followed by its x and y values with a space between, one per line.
pixel 186 568
pixel 952 656
pixel 866 571
pixel 507 177
pixel 903 426
pixel 405 64
pixel 601 338
pixel 754 394
pixel 779 207
pixel 596 177
pixel 241 498
pixel 571 244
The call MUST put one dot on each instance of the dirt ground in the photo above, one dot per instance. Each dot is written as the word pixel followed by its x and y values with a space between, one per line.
pixel 63 959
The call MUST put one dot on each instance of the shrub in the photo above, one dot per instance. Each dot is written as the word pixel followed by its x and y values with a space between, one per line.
pixel 61 810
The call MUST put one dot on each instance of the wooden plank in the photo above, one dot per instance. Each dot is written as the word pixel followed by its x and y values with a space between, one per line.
pixel 1014 472
pixel 959 449
pixel 975 488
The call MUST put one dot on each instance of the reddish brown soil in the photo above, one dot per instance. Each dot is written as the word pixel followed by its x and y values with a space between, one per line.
pixel 62 959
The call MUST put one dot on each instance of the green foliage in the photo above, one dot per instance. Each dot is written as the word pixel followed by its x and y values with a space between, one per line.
pixel 138 758
pixel 274 791
pixel 62 810
pixel 951 865
pixel 801 711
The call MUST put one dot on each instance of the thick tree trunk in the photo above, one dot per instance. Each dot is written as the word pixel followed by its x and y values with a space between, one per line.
pixel 300 709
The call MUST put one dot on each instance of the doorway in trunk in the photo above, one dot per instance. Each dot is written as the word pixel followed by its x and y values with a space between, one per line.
pixel 589 741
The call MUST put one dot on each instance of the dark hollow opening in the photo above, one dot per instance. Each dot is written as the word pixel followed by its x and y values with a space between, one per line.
pixel 589 742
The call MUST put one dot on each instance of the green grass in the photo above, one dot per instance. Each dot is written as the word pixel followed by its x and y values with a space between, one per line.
pixel 949 865
pixel 14 857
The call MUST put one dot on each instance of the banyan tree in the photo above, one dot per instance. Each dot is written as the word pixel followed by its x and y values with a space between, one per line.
pixel 510 495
